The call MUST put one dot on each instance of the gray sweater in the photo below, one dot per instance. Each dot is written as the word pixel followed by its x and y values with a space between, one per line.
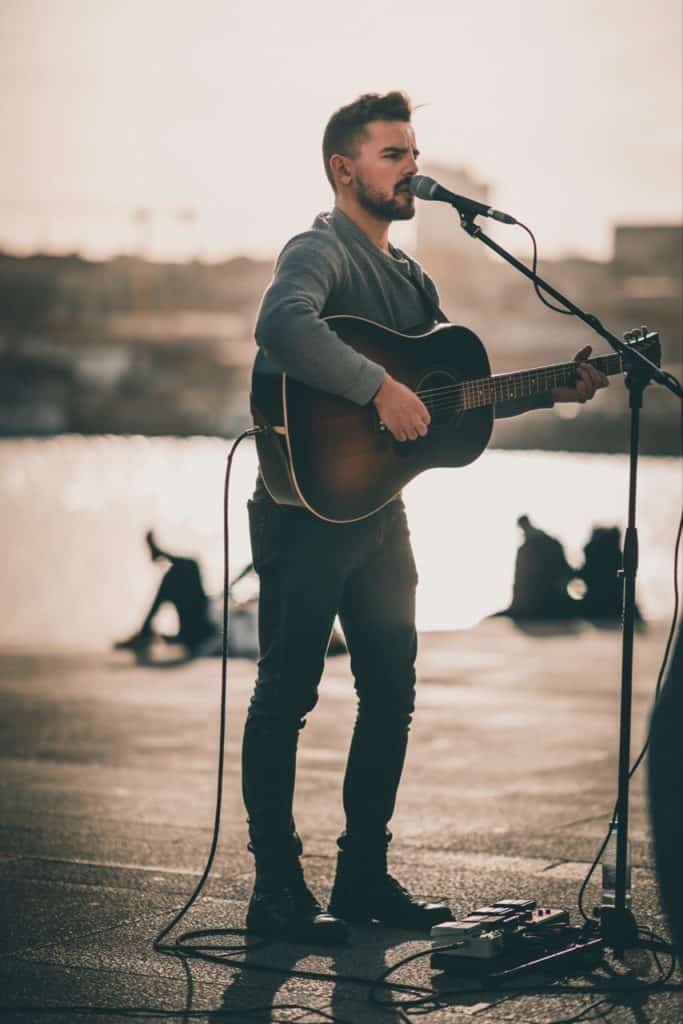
pixel 335 269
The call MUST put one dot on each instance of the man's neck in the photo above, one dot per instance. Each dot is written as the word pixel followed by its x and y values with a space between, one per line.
pixel 376 230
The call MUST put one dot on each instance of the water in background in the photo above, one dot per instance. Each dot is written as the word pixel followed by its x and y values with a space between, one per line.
pixel 74 510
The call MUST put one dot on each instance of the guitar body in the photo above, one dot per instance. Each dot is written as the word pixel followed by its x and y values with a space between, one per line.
pixel 333 457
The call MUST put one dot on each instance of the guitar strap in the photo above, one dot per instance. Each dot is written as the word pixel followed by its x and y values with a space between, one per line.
pixel 434 311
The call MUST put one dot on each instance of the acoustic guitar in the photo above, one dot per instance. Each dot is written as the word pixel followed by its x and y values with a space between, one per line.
pixel 336 459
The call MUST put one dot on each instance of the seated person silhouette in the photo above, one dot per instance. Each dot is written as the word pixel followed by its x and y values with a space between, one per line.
pixel 600 572
pixel 541 577
pixel 182 587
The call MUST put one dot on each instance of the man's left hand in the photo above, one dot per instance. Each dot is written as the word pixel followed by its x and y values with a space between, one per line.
pixel 588 381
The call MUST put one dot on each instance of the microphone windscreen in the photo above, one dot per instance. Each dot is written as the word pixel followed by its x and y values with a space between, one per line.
pixel 422 186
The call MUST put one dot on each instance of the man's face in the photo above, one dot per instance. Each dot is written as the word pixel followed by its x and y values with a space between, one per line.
pixel 382 167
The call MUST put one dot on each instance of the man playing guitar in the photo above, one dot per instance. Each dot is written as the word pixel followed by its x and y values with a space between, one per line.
pixel 311 569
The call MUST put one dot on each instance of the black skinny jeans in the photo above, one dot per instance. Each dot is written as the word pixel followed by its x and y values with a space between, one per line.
pixel 309 571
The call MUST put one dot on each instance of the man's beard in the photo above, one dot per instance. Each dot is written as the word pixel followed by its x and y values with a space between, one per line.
pixel 381 207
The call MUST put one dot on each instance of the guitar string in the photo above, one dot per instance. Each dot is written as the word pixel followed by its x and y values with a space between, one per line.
pixel 472 394
pixel 489 391
pixel 526 379
pixel 562 375
pixel 488 382
pixel 478 397
pixel 466 397
pixel 486 395
pixel 472 391
pixel 606 363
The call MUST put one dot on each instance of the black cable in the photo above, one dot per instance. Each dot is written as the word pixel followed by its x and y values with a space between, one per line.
pixel 660 676
pixel 422 997
pixel 669 641
pixel 589 875
pixel 158 944
pixel 569 312
pixel 658 985
pixel 537 288
pixel 215 953
pixel 437 1000
pixel 588 1012
pixel 183 947
pixel 179 948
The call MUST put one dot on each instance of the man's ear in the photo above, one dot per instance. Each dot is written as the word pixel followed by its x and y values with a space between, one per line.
pixel 340 168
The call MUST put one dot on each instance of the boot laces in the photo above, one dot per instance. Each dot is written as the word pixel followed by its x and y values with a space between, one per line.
pixel 299 893
pixel 394 887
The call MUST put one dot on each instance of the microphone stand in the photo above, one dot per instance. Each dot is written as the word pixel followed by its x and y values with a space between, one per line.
pixel 617 924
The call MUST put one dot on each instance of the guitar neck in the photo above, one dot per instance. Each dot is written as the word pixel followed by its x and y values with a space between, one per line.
pixel 503 387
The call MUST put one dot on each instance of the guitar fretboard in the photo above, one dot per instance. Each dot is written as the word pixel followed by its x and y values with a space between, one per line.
pixel 504 387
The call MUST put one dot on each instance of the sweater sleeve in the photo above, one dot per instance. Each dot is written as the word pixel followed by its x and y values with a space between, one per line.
pixel 290 330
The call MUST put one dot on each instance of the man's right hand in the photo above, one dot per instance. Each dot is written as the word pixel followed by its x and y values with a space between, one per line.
pixel 401 411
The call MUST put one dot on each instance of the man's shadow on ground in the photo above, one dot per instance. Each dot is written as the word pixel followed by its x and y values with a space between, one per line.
pixel 371 951
pixel 255 990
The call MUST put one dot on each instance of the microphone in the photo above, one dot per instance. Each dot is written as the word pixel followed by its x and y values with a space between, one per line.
pixel 426 188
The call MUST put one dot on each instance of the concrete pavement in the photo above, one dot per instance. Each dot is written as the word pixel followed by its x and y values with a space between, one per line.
pixel 106 809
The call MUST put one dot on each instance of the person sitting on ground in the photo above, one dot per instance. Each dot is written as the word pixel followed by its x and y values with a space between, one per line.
pixel 182 587
pixel 601 574
pixel 541 576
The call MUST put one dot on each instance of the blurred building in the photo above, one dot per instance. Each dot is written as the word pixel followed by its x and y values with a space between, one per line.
pixel 648 261
pixel 127 345
pixel 647 268
pixel 655 250
pixel 461 264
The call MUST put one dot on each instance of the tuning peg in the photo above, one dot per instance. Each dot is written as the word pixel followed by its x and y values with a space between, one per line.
pixel 630 335
pixel 644 331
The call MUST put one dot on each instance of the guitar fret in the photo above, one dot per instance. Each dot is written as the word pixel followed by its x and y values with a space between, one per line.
pixel 477 393
pixel 508 387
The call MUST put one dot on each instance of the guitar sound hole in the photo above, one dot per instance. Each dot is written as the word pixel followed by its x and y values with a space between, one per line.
pixel 437 391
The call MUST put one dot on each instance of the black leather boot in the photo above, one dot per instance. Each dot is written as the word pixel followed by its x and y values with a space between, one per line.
pixel 364 891
pixel 283 907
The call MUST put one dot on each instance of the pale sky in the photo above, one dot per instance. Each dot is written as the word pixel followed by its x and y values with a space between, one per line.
pixel 570 110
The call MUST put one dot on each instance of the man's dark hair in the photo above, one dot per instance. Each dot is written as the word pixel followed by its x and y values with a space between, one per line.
pixel 346 128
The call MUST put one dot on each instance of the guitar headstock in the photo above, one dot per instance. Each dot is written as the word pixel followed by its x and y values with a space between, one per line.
pixel 646 342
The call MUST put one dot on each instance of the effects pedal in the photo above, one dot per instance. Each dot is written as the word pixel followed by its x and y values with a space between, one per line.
pixel 507 937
